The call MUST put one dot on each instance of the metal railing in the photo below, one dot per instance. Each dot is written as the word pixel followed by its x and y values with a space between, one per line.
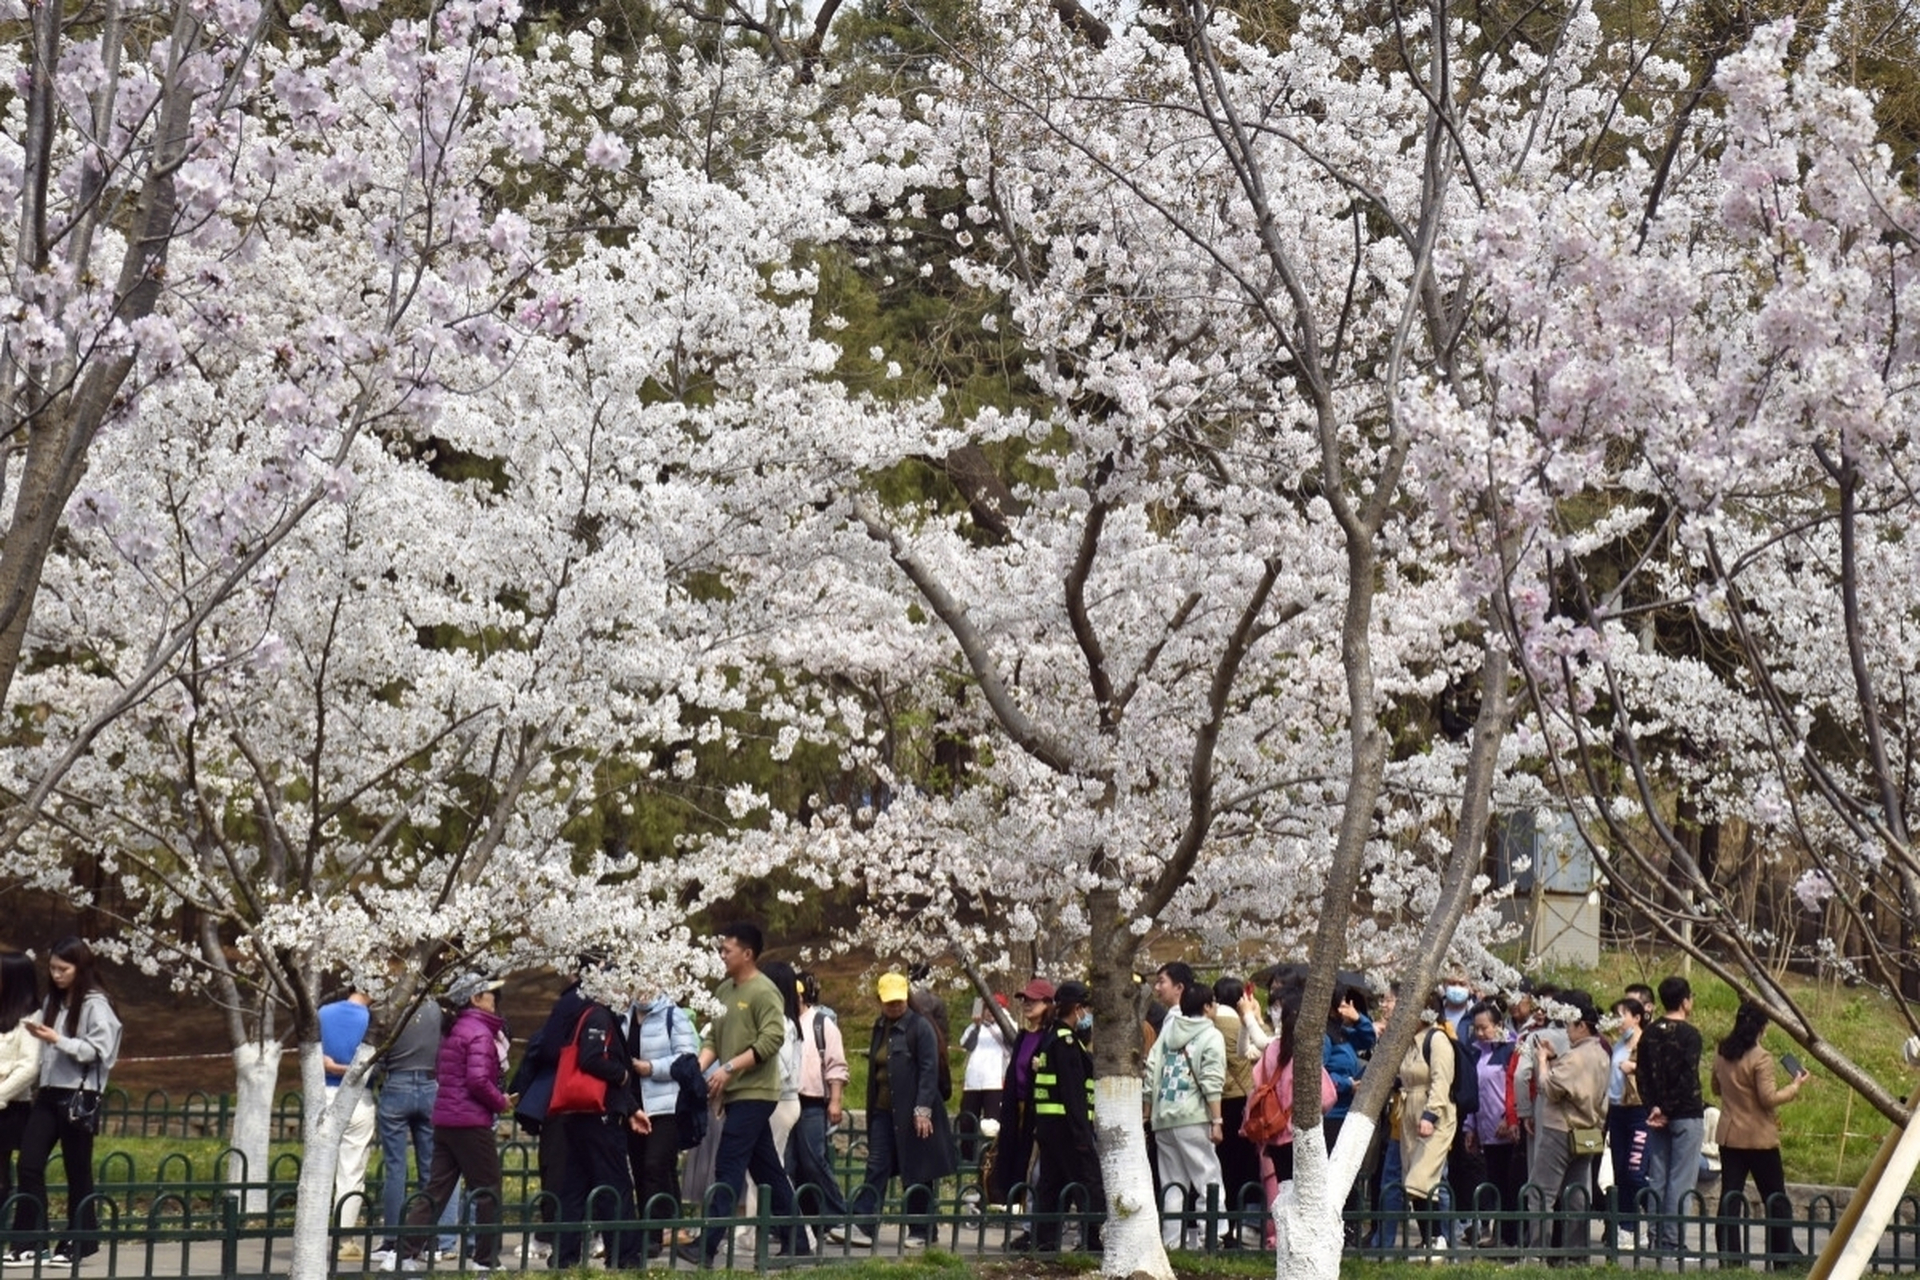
pixel 197 1227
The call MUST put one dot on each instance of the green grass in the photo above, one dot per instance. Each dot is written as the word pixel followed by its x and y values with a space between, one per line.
pixel 1196 1266
pixel 939 1265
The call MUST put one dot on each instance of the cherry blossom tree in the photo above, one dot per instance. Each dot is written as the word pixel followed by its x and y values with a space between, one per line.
pixel 1284 298
pixel 1176 653
pixel 1702 381
pixel 454 522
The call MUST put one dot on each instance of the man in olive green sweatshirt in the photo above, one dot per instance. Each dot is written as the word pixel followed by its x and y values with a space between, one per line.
pixel 740 1055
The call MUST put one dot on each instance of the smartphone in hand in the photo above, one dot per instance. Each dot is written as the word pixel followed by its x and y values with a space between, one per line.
pixel 1792 1065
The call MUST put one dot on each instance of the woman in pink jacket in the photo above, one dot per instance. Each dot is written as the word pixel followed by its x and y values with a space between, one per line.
pixel 1276 1158
pixel 468 1073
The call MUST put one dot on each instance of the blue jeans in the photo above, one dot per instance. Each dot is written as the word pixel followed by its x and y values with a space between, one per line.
pixel 809 1164
pixel 403 1117
pixel 746 1147
pixel 1673 1171
pixel 1393 1196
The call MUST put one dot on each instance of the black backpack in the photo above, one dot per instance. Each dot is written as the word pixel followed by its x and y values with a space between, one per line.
pixel 1466 1077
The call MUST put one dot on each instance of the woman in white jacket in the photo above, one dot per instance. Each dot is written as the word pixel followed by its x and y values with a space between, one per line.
pixel 79 1035
pixel 19 1073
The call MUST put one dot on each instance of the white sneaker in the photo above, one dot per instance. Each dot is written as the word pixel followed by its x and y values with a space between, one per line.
pixel 381 1257
pixel 1623 1240
pixel 912 1241
pixel 415 1264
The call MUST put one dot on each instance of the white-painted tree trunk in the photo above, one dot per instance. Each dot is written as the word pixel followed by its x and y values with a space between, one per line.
pixel 1131 1241
pixel 323 1121
pixel 256 1070
pixel 1307 1223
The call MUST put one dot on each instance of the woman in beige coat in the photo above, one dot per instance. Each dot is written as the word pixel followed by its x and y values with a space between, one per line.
pixel 1427 1121
pixel 1749 1133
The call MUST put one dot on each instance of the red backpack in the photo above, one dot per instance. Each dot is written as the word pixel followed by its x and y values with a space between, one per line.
pixel 1269 1115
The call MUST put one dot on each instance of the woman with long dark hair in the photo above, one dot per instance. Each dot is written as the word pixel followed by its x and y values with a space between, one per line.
pixel 1276 1064
pixel 79 1035
pixel 1749 1133
pixel 19 1072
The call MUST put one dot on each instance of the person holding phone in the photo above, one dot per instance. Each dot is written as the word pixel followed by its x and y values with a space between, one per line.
pixel 986 1071
pixel 1749 1134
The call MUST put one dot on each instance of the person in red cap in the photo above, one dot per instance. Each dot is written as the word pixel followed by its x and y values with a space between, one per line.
pixel 1013 1149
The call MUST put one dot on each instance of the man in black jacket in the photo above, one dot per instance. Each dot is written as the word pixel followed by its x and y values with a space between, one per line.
pixel 1063 1119
pixel 596 1141
pixel 1669 1074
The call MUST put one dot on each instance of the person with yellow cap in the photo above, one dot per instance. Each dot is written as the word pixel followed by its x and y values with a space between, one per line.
pixel 907 1132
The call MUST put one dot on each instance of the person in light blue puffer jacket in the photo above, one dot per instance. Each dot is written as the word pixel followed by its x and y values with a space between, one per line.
pixel 658 1033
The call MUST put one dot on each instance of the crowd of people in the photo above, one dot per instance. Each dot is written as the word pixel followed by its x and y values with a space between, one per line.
pixel 1501 1111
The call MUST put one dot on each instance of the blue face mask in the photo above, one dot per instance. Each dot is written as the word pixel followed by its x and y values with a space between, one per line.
pixel 1084 1022
pixel 1455 995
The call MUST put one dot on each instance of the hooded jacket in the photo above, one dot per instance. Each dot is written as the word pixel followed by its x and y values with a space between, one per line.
pixel 468 1072
pixel 84 1059
pixel 1186 1070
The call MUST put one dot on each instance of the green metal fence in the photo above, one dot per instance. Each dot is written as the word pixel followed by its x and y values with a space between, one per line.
pixel 184 1217
pixel 198 1229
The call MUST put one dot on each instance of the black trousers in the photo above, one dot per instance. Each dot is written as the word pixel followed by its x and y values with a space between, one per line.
pixel 1239 1158
pixel 1013 1150
pixel 597 1166
pixel 1769 1181
pixel 13 1129
pixel 1069 1159
pixel 654 1159
pixel 552 1160
pixel 1506 1170
pixel 975 1105
pixel 48 1127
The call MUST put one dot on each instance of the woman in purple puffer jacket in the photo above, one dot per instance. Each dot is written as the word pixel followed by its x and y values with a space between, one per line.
pixel 468 1073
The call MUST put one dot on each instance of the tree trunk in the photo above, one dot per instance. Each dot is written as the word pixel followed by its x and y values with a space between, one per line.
pixel 256 1069
pixel 1131 1243
pixel 324 1120
pixel 1308 1231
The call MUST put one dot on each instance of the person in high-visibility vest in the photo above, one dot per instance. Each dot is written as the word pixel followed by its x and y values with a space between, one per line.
pixel 1063 1119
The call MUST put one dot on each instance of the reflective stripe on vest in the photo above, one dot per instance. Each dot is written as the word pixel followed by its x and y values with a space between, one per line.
pixel 1046 1082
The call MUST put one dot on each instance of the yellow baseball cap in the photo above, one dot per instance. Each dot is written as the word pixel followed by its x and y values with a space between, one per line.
pixel 892 986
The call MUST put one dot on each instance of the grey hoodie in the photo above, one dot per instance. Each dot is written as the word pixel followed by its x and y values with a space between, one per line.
pixel 84 1059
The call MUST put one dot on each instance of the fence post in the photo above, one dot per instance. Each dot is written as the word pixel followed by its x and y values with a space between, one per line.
pixel 229 1237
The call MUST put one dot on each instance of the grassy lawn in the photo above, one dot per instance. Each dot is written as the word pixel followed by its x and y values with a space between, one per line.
pixel 938 1265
